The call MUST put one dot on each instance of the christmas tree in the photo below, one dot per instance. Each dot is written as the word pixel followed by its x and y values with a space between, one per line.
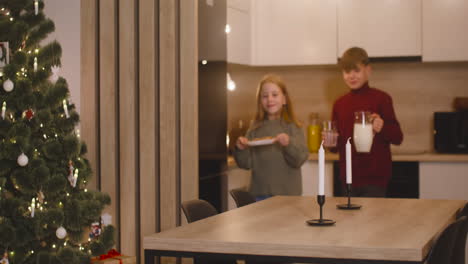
pixel 46 213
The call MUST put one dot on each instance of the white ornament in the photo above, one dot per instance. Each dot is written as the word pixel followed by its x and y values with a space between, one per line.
pixel 22 160
pixel 55 73
pixel 8 85
pixel 106 219
pixel 72 177
pixel 61 233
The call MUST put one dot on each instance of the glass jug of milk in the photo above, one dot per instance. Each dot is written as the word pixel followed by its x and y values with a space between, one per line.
pixel 363 134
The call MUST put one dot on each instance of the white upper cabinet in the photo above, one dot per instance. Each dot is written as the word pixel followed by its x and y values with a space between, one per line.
pixel 238 39
pixel 293 32
pixel 241 5
pixel 445 30
pixel 383 27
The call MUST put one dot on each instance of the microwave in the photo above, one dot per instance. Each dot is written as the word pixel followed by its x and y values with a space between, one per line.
pixel 451 132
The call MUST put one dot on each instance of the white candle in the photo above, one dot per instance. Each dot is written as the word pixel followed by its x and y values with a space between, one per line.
pixel 36 7
pixel 3 110
pixel 35 64
pixel 75 177
pixel 348 163
pixel 33 206
pixel 65 108
pixel 321 170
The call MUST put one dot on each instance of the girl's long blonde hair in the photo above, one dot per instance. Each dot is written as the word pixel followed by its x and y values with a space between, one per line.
pixel 287 113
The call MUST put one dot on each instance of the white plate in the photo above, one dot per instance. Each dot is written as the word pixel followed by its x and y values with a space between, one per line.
pixel 261 142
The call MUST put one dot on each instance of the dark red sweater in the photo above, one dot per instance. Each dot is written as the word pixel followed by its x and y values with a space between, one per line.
pixel 375 167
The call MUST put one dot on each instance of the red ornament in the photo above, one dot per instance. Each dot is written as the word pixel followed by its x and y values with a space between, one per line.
pixel 28 114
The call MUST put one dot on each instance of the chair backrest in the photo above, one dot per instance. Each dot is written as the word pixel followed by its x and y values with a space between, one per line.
pixel 443 249
pixel 242 197
pixel 460 242
pixel 195 210
pixel 463 211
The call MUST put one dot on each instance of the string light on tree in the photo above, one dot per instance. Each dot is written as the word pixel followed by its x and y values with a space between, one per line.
pixel 32 208
pixel 35 64
pixel 36 7
pixel 3 110
pixel 65 108
pixel 75 176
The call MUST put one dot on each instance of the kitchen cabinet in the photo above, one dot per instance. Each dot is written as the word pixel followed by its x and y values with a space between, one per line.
pixel 303 32
pixel 310 178
pixel 293 32
pixel 444 30
pixel 238 40
pixel 443 180
pixel 384 28
pixel 241 5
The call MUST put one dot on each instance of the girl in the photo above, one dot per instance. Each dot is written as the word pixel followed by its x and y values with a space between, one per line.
pixel 276 167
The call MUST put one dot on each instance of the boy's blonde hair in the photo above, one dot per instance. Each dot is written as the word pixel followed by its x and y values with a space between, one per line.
pixel 352 57
pixel 287 112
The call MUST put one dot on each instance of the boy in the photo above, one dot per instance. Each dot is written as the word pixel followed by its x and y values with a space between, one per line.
pixel 371 171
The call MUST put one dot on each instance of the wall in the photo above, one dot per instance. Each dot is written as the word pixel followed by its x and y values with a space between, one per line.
pixel 66 16
pixel 139 111
pixel 418 90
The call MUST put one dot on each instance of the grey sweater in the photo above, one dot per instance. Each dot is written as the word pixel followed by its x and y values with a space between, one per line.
pixel 276 170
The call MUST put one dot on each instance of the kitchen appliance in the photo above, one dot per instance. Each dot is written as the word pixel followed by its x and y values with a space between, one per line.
pixel 212 103
pixel 451 132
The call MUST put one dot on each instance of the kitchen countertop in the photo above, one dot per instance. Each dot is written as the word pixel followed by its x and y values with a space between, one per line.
pixel 417 156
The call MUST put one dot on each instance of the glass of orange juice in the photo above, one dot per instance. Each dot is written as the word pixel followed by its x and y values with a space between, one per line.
pixel 314 136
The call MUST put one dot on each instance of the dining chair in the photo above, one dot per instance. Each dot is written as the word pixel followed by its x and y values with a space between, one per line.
pixel 242 197
pixel 460 242
pixel 443 249
pixel 195 210
pixel 463 211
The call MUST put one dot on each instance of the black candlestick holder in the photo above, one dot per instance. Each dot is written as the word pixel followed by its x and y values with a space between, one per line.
pixel 349 205
pixel 321 221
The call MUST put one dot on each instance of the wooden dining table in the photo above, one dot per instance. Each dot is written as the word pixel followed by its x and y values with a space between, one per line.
pixel 384 230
